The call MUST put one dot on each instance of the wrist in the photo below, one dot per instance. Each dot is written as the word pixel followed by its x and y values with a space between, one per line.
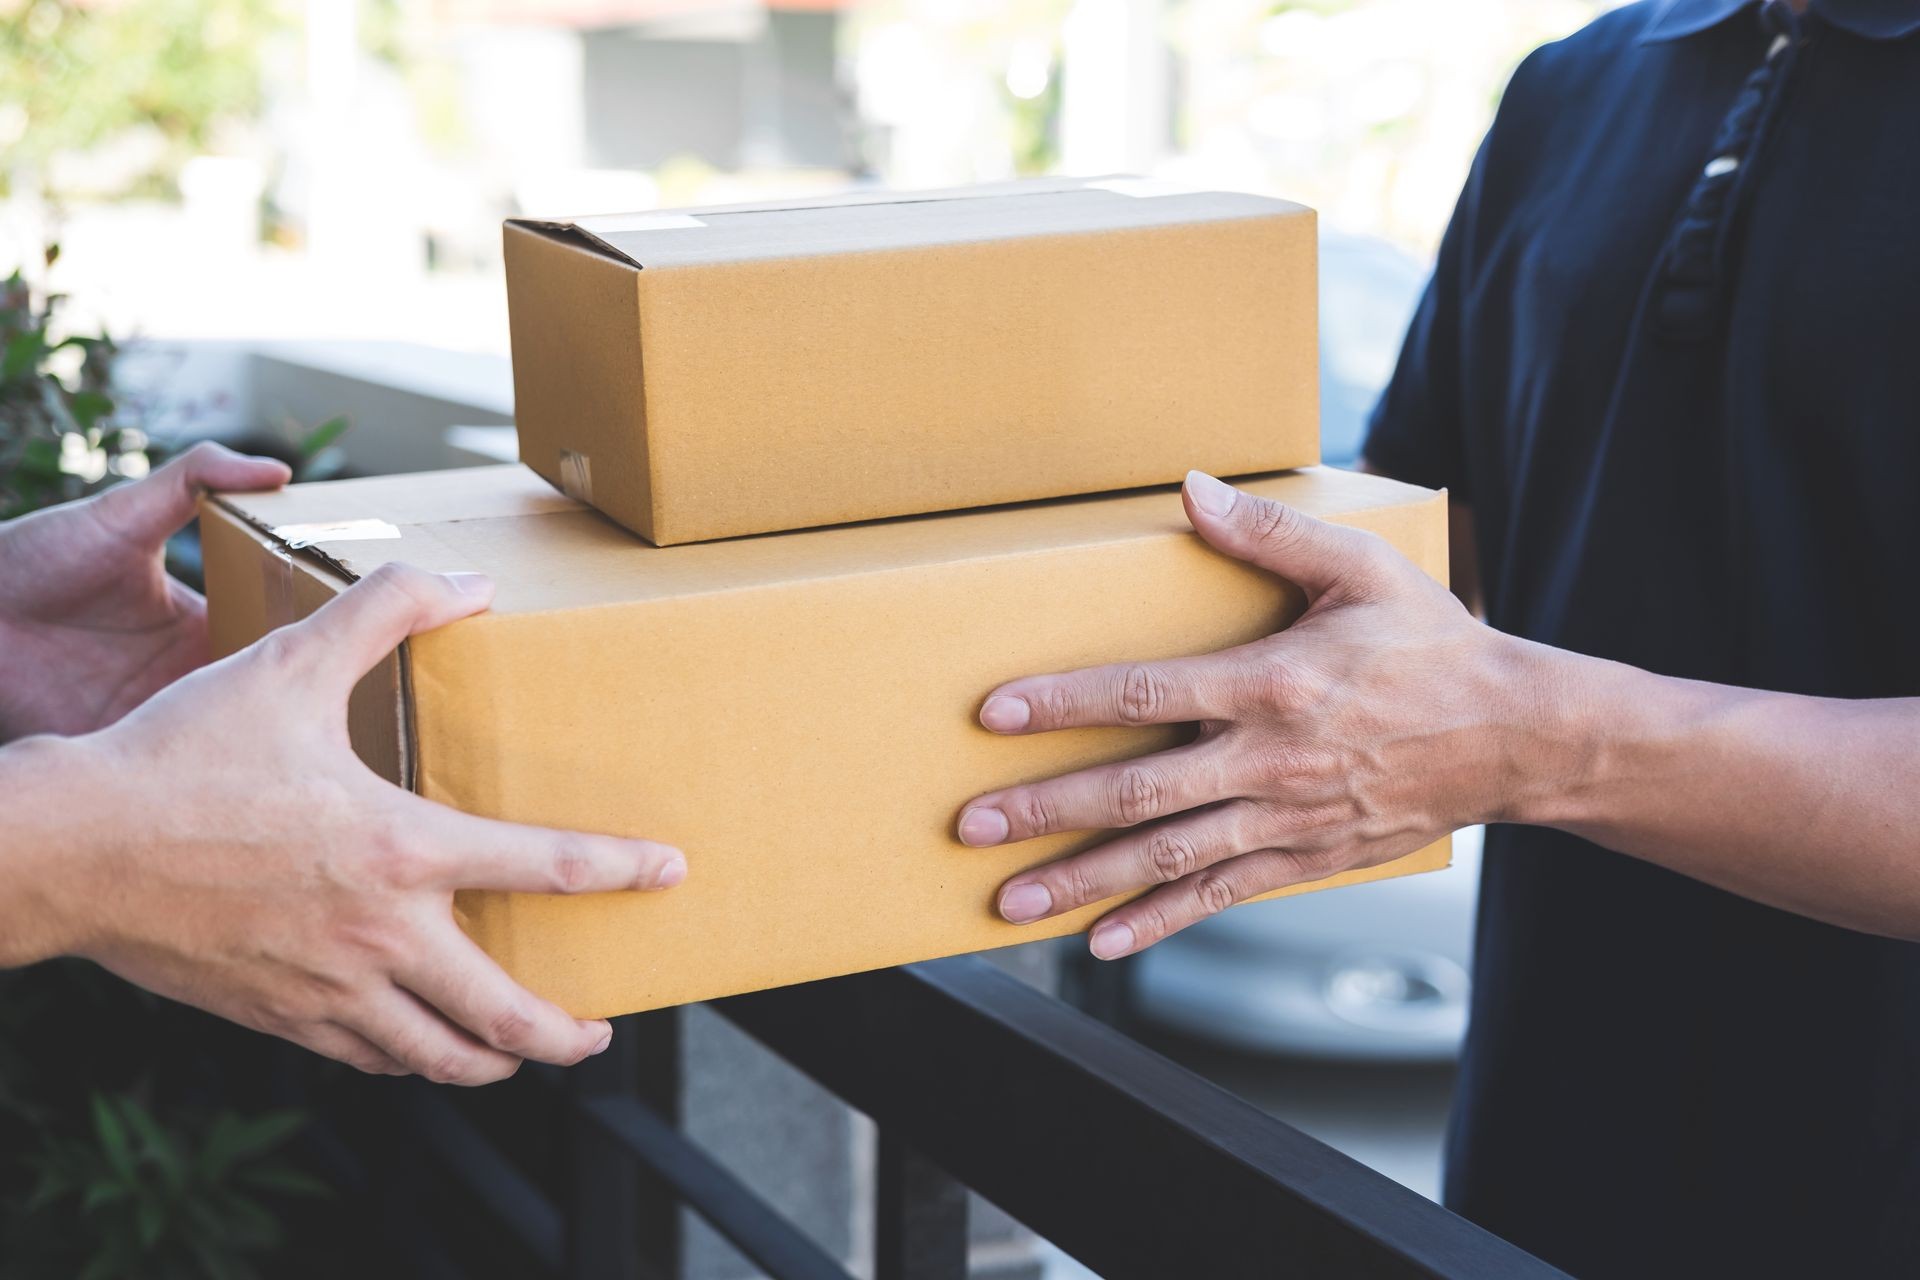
pixel 1551 733
pixel 43 896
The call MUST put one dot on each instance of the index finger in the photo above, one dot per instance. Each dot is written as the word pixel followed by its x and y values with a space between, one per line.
pixel 466 852
pixel 348 635
pixel 1128 693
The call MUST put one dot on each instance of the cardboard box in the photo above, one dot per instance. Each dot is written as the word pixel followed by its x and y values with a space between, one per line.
pixel 796 712
pixel 757 368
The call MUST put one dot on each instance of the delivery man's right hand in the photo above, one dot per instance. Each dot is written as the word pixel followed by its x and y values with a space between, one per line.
pixel 234 853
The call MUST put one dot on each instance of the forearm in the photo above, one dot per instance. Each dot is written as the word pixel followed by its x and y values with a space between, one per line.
pixel 43 802
pixel 1809 804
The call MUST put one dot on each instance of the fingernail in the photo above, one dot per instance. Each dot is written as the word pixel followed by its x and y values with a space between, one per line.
pixel 604 1042
pixel 1208 494
pixel 983 827
pixel 1004 713
pixel 470 584
pixel 1025 903
pixel 672 872
pixel 1110 940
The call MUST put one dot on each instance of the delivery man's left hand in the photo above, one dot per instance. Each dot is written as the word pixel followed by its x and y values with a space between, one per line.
pixel 1371 727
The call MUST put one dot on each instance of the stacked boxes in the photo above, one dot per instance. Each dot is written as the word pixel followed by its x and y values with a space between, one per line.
pixel 796 709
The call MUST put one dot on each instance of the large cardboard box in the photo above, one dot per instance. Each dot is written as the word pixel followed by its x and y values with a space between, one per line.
pixel 796 712
pixel 755 368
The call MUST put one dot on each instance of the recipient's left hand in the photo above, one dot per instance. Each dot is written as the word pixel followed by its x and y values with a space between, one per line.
pixel 90 623
pixel 1371 727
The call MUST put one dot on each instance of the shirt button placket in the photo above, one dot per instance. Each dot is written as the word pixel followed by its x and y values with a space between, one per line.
pixel 1689 290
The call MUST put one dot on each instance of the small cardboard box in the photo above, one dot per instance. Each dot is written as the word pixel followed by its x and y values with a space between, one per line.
pixel 758 368
pixel 796 712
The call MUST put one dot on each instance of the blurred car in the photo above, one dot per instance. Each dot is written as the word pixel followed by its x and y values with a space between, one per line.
pixel 1374 972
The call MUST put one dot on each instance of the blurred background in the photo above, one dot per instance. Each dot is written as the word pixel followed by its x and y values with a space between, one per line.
pixel 273 169
pixel 278 221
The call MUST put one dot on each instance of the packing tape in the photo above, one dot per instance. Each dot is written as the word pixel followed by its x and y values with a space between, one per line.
pixel 277 579
pixel 576 476
pixel 613 223
pixel 1143 188
pixel 298 537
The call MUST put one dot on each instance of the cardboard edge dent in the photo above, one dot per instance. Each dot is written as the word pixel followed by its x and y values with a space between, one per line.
pixel 404 706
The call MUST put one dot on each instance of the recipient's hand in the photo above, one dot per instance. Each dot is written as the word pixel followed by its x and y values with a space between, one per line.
pixel 241 858
pixel 90 623
pixel 1366 730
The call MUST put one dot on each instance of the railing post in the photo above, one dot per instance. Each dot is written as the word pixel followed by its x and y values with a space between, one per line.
pixel 622 1225
pixel 920 1219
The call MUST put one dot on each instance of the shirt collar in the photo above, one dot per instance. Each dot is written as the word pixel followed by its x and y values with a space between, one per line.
pixel 1871 19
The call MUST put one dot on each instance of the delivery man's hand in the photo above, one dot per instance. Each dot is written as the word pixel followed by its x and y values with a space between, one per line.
pixel 90 623
pixel 1369 728
pixel 234 853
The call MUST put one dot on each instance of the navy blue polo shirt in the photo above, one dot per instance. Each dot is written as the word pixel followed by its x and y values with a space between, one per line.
pixel 1670 356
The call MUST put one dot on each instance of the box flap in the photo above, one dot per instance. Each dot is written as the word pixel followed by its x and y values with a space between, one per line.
pixel 545 551
pixel 858 220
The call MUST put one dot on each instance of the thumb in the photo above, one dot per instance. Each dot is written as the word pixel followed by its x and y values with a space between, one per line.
pixel 154 508
pixel 1312 554
pixel 346 637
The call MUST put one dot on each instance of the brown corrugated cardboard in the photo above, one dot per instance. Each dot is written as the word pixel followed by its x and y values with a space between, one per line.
pixel 796 712
pixel 755 368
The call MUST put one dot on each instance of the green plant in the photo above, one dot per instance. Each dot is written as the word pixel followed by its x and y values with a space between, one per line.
pixel 60 438
pixel 168 74
pixel 132 1196
pixel 135 1140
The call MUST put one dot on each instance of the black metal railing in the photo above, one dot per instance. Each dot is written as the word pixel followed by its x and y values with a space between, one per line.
pixel 1122 1159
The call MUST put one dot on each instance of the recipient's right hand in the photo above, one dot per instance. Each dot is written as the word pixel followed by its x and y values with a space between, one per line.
pixel 234 853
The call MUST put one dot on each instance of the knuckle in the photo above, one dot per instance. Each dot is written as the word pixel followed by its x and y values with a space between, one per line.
pixel 449 1066
pixel 1283 686
pixel 405 583
pixel 1034 809
pixel 510 1028
pixel 399 861
pixel 1151 923
pixel 1316 863
pixel 1280 763
pixel 1213 892
pixel 1052 704
pixel 367 1062
pixel 1074 886
pixel 1143 695
pixel 1137 794
pixel 1273 524
pixel 1171 855
pixel 279 651
pixel 572 865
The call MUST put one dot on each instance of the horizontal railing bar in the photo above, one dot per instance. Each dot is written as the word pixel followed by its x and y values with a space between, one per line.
pixel 514 1201
pixel 762 1235
pixel 1125 1160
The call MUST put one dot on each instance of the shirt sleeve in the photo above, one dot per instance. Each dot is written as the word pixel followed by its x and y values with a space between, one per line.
pixel 1417 432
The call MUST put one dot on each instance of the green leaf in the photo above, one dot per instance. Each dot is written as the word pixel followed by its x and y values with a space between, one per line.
pixel 284 1178
pixel 150 1218
pixel 89 407
pixel 265 1132
pixel 102 1193
pixel 23 354
pixel 233 1140
pixel 113 1138
pixel 323 435
pixel 40 456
